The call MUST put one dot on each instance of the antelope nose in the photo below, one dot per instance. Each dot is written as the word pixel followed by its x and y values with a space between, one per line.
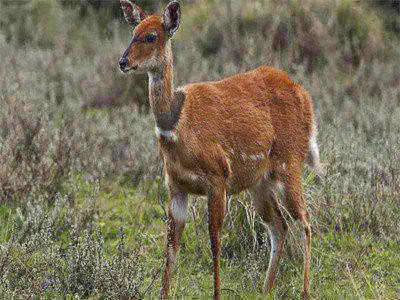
pixel 123 63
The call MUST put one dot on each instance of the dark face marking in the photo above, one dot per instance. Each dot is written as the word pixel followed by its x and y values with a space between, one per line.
pixel 126 53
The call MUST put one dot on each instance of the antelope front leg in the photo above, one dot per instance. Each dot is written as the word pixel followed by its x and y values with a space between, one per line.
pixel 216 212
pixel 177 215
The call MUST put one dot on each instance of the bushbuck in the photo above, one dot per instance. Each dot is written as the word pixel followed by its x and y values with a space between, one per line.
pixel 250 131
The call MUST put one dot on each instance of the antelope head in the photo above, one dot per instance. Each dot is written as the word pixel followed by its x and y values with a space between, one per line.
pixel 149 49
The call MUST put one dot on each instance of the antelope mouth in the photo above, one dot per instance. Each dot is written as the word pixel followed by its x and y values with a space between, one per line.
pixel 128 69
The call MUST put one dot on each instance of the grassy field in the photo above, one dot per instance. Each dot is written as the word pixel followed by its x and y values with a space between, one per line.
pixel 82 197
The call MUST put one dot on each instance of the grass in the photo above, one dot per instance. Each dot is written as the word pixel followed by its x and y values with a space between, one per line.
pixel 346 263
pixel 82 198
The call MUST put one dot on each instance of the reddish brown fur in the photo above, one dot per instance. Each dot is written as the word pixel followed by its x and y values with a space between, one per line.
pixel 251 130
pixel 245 114
pixel 144 51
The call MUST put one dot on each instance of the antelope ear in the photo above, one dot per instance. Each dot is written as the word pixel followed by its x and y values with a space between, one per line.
pixel 172 18
pixel 133 13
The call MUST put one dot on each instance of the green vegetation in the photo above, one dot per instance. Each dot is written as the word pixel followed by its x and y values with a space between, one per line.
pixel 82 199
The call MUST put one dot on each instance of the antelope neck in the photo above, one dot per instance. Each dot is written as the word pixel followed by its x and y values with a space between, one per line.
pixel 166 108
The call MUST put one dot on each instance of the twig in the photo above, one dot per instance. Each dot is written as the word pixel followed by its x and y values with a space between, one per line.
pixel 152 282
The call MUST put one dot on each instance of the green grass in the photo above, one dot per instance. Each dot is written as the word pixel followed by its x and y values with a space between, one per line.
pixel 82 199
pixel 345 262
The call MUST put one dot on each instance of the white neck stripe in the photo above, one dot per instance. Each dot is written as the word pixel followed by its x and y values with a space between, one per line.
pixel 168 134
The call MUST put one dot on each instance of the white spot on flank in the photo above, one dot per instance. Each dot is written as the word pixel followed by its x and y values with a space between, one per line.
pixel 257 157
pixel 253 157
pixel 168 134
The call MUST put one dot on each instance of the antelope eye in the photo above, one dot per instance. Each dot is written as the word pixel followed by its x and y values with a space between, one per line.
pixel 151 38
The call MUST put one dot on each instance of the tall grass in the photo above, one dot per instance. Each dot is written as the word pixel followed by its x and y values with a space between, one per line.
pixel 82 200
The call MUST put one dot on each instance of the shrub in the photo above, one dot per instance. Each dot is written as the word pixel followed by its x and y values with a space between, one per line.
pixel 70 178
pixel 34 160
pixel 34 262
pixel 359 32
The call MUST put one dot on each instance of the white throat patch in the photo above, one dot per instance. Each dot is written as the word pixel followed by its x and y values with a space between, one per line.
pixel 168 134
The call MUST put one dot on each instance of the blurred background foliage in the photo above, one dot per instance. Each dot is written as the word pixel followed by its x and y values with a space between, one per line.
pixel 82 200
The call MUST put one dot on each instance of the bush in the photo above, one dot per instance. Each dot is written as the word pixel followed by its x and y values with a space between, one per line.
pixel 82 199
pixel 35 157
pixel 35 262
pixel 359 32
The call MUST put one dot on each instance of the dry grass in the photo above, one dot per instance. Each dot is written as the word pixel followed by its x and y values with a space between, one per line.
pixel 82 207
